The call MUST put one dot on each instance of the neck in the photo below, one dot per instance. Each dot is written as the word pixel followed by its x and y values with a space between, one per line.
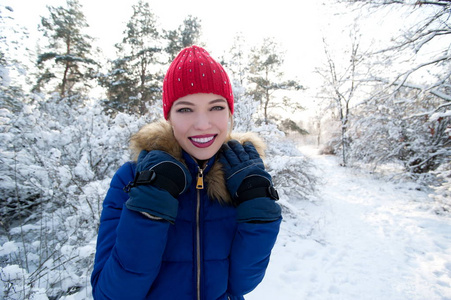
pixel 201 162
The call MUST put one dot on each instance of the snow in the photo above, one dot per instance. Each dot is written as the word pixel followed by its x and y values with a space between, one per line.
pixel 360 237
pixel 366 239
pixel 7 248
pixel 437 116
pixel 12 272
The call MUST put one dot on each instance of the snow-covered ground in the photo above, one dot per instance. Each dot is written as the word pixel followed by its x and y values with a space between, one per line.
pixel 365 239
pixel 362 238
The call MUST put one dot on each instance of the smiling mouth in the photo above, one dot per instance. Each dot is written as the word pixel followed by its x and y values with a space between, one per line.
pixel 203 141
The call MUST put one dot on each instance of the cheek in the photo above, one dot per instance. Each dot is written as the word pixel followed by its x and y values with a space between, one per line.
pixel 222 120
pixel 178 128
pixel 179 132
pixel 224 125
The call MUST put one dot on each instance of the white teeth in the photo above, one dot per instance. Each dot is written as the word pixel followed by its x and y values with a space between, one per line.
pixel 202 140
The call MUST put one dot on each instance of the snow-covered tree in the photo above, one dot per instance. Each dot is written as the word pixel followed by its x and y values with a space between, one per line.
pixel 406 117
pixel 425 41
pixel 342 79
pixel 237 63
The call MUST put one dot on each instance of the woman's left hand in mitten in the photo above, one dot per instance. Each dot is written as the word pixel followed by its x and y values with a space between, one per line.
pixel 249 184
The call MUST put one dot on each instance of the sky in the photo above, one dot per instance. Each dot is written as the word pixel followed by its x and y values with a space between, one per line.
pixel 296 25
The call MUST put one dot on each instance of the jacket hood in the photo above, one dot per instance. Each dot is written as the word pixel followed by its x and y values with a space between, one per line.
pixel 159 136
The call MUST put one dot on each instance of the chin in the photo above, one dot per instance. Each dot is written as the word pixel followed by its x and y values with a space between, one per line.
pixel 205 154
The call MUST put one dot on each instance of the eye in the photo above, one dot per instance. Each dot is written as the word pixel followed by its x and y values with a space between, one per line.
pixel 183 110
pixel 218 107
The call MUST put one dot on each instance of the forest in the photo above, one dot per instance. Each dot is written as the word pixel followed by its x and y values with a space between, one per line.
pixel 67 113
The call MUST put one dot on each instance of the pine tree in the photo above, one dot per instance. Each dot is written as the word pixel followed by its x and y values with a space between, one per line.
pixel 68 57
pixel 135 76
pixel 266 77
pixel 186 35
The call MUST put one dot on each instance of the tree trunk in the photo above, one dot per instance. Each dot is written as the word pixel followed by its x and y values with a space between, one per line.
pixel 266 107
pixel 343 144
pixel 66 69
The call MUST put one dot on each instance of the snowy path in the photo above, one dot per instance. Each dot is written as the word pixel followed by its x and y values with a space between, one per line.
pixel 366 239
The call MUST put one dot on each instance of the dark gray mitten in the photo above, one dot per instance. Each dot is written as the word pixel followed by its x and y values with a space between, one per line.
pixel 249 184
pixel 159 180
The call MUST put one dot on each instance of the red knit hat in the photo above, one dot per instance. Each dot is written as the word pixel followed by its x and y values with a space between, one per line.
pixel 195 71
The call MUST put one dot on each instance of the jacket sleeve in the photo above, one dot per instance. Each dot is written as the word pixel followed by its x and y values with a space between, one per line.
pixel 129 246
pixel 250 254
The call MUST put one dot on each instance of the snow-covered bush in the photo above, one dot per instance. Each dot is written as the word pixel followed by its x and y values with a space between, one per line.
pixel 442 193
pixel 399 129
pixel 58 157
pixel 52 150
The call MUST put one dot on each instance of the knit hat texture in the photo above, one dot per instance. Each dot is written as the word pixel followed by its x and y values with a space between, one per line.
pixel 195 71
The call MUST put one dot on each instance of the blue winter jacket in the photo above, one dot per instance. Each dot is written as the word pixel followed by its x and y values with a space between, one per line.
pixel 205 255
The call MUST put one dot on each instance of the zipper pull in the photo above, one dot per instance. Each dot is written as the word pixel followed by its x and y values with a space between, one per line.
pixel 200 179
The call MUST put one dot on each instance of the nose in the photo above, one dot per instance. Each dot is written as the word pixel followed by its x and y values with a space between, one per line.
pixel 202 121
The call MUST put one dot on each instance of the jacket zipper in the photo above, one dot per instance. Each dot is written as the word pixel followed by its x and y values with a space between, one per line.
pixel 200 178
pixel 198 243
pixel 199 186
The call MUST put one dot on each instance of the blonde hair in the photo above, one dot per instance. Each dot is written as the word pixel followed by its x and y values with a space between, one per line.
pixel 230 129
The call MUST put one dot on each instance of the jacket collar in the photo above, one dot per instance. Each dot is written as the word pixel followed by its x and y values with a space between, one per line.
pixel 159 136
pixel 193 164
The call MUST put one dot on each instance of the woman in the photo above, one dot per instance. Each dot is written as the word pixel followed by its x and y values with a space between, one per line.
pixel 195 216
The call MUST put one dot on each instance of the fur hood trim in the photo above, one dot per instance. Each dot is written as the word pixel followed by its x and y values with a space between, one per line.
pixel 159 136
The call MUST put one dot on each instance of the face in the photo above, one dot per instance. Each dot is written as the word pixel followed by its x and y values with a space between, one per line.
pixel 200 124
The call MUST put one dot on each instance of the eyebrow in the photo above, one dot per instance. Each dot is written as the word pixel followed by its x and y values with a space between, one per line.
pixel 192 104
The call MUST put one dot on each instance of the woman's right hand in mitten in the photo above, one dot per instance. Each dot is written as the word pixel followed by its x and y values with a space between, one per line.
pixel 159 180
